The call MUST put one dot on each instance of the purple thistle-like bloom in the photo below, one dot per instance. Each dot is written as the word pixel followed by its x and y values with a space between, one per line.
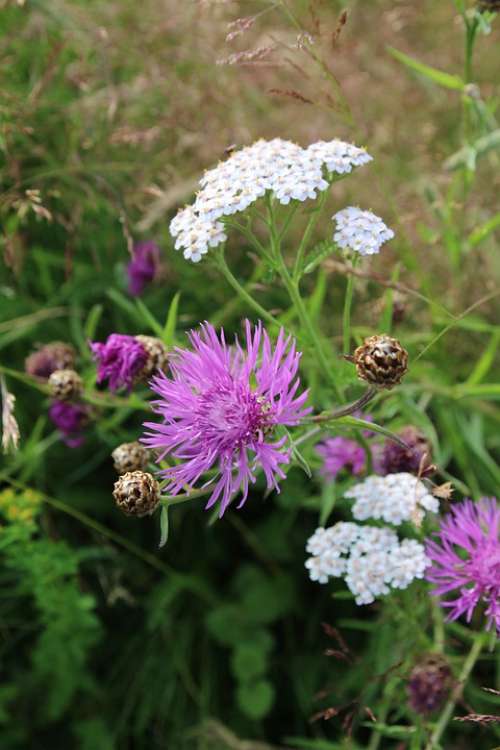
pixel 466 560
pixel 120 359
pixel 143 267
pixel 340 453
pixel 220 407
pixel 70 419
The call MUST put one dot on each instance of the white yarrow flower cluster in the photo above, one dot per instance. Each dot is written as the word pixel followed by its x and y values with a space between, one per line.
pixel 371 560
pixel 394 498
pixel 360 231
pixel 282 167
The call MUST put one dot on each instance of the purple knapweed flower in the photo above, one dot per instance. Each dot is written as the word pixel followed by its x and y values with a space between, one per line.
pixel 220 407
pixel 120 359
pixel 340 453
pixel 70 419
pixel 143 267
pixel 466 560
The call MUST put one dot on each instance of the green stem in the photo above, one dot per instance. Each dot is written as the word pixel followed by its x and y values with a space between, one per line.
pixel 292 287
pixel 241 291
pixel 456 693
pixel 346 319
pixel 311 224
pixel 438 620
pixel 168 500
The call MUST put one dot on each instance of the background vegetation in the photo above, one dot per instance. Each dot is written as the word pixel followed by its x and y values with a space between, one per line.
pixel 110 111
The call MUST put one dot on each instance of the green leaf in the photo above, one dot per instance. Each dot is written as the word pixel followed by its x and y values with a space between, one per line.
pixel 317 255
pixel 92 321
pixel 362 423
pixel 398 731
pixel 255 699
pixel 485 361
pixel 433 74
pixel 480 233
pixel 328 498
pixel 248 661
pixel 462 158
pixel 164 526
pixel 168 333
pixel 149 319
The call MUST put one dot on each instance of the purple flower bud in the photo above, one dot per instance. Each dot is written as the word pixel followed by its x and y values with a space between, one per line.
pixel 143 267
pixel 70 419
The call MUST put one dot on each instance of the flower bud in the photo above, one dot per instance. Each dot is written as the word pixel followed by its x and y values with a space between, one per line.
pixel 65 385
pixel 130 457
pixel 137 493
pixel 381 361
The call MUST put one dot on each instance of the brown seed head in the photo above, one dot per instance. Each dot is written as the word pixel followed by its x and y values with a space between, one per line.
pixel 130 457
pixel 157 356
pixel 65 385
pixel 381 361
pixel 137 493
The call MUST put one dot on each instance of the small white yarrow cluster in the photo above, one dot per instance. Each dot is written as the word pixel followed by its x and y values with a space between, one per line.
pixel 394 498
pixel 282 167
pixel 360 231
pixel 371 560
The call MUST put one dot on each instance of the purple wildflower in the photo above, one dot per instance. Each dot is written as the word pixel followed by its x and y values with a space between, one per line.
pixel 340 453
pixel 220 407
pixel 70 419
pixel 466 559
pixel 143 267
pixel 120 359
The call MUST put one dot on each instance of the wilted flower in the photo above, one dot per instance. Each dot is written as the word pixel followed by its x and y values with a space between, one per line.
pixel 340 453
pixel 70 419
pixel 429 684
pixel 220 408
pixel 394 458
pixel 371 560
pixel 120 359
pixel 54 356
pixel 394 498
pixel 360 231
pixel 465 559
pixel 143 267
pixel 283 168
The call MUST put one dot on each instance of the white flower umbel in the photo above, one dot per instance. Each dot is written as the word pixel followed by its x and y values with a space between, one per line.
pixel 394 498
pixel 360 231
pixel 281 167
pixel 371 560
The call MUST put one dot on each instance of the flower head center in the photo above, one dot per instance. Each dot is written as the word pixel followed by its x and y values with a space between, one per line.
pixel 233 414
